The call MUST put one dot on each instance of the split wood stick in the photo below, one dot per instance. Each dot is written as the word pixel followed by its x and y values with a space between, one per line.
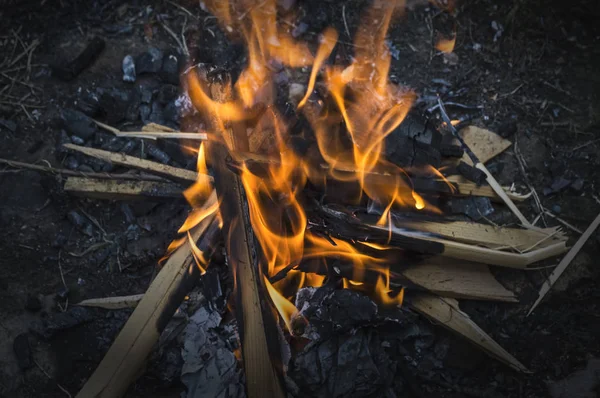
pixel 484 255
pixel 487 235
pixel 479 165
pixel 122 190
pixel 126 356
pixel 113 303
pixel 75 173
pixel 564 263
pixel 163 170
pixel 255 320
pixel 457 280
pixel 159 131
pixel 446 312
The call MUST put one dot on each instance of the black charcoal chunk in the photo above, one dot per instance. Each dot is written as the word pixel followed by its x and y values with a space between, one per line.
pixel 145 111
pixel 167 93
pixel 77 123
pixel 56 323
pixel 471 173
pixel 333 311
pixel 128 69
pixel 157 154
pixel 349 365
pixel 474 207
pixel 22 351
pixel 72 163
pixel 169 71
pixel 75 139
pixel 452 151
pixel 171 113
pixel 114 104
pixel 130 146
pixel 149 62
pixel 73 68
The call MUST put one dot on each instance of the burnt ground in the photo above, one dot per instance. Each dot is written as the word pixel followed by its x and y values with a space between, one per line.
pixel 530 64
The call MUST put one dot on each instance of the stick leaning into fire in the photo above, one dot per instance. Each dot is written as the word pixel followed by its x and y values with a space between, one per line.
pixel 312 200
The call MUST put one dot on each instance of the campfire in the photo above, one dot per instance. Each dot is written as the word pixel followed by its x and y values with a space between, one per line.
pixel 332 194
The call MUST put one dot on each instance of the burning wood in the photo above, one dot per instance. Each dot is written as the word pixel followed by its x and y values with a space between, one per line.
pixel 321 205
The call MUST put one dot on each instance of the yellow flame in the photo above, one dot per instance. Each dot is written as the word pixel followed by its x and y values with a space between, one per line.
pixel 197 254
pixel 285 308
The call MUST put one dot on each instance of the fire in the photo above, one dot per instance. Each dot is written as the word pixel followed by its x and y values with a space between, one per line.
pixel 446 45
pixel 350 123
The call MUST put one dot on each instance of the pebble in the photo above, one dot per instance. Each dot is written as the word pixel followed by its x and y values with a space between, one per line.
pixel 128 69
pixel 77 140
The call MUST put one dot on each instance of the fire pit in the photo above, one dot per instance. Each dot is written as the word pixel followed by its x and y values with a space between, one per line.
pixel 337 213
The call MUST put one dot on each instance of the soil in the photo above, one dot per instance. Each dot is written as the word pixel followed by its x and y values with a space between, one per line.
pixel 530 66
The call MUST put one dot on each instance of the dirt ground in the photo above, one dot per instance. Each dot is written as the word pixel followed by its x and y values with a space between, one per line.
pixel 530 65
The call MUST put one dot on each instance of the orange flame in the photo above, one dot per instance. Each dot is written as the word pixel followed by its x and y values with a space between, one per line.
pixel 445 45
pixel 364 109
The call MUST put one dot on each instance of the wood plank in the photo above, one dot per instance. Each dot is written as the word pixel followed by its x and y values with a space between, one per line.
pixel 458 280
pixel 257 327
pixel 126 356
pixel 446 312
pixel 488 235
pixel 123 189
pixel 122 159
pixel 483 143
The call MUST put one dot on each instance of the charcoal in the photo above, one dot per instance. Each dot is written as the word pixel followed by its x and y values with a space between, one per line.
pixel 474 207
pixel 471 173
pixel 349 365
pixel 145 94
pixel 33 303
pixel 145 111
pixel 175 152
pixel 114 144
pixel 22 351
pixel 149 62
pixel 101 138
pixel 77 140
pixel 126 209
pixel 114 104
pixel 167 93
pixel 130 146
pixel 71 163
pixel 156 114
pixel 412 127
pixel 62 139
pixel 56 323
pixel 495 168
pixel 128 69
pixel 210 368
pixel 157 154
pixel 333 311
pixel 452 151
pixel 171 112
pixel 81 222
pixel 77 123
pixel 507 129
pixel 9 125
pixel 169 71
